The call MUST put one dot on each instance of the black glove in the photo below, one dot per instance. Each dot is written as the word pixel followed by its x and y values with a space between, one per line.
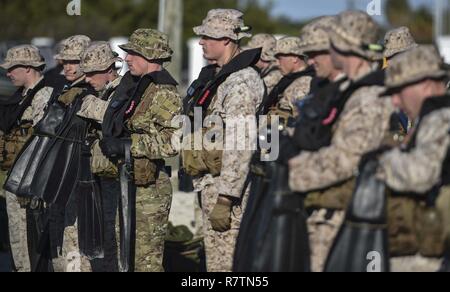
pixel 373 155
pixel 114 148
pixel 288 149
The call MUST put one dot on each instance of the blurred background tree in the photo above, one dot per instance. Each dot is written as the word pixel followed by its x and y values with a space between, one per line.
pixel 420 20
pixel 102 19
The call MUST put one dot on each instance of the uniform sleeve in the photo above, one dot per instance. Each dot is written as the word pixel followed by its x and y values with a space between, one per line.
pixel 361 129
pixel 240 104
pixel 39 104
pixel 93 108
pixel 419 170
pixel 297 91
pixel 154 138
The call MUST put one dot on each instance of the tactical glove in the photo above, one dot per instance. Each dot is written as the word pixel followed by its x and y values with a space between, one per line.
pixel 220 217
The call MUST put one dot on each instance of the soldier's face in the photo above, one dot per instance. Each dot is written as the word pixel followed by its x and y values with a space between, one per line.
pixel 98 80
pixel 18 75
pixel 138 65
pixel 213 49
pixel 409 99
pixel 72 70
pixel 322 63
pixel 287 63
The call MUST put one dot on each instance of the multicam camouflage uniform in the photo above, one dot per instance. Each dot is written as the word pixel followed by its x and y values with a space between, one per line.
pixel 12 143
pixel 151 134
pixel 360 128
pixel 418 170
pixel 270 75
pixel 238 97
pixel 70 259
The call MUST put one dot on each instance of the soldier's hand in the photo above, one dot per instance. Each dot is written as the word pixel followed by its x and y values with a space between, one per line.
pixel 220 217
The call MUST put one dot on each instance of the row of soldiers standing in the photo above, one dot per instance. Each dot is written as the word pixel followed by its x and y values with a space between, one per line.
pixel 99 118
pixel 123 119
pixel 343 100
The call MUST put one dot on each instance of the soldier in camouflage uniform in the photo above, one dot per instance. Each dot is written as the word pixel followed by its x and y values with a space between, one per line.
pixel 149 120
pixel 70 258
pixel 358 127
pixel 270 72
pixel 293 67
pixel 99 64
pixel 236 97
pixel 419 208
pixel 316 46
pixel 25 65
pixel 398 41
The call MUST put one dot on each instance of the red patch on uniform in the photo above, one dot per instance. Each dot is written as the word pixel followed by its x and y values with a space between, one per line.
pixel 331 117
pixel 204 97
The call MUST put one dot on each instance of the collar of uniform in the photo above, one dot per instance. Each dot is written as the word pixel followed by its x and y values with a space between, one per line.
pixel 78 81
pixel 339 77
pixel 161 77
pixel 109 88
pixel 26 90
pixel 114 83
pixel 243 60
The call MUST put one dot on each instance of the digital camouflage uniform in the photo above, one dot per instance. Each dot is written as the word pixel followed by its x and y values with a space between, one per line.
pixel 360 128
pixel 270 75
pixel 417 170
pixel 12 143
pixel 151 134
pixel 238 97
pixel 321 227
pixel 300 87
pixel 70 259
pixel 97 58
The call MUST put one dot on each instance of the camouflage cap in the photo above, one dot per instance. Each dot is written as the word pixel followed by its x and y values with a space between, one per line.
pixel 73 47
pixel 267 42
pixel 413 66
pixel 290 46
pixel 356 32
pixel 223 23
pixel 98 57
pixel 397 41
pixel 315 34
pixel 24 55
pixel 150 44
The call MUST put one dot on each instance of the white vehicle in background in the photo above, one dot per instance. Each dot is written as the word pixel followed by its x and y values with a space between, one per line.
pixel 115 43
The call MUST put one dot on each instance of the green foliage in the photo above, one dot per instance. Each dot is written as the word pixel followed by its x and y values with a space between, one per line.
pixel 102 19
pixel 420 21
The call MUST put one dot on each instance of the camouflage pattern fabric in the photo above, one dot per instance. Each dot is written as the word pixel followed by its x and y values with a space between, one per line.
pixel 152 217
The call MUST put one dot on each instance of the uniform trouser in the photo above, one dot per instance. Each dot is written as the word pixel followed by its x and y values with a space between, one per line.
pixel 219 246
pixel 70 259
pixel 17 222
pixel 152 216
pixel 322 233
pixel 110 191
